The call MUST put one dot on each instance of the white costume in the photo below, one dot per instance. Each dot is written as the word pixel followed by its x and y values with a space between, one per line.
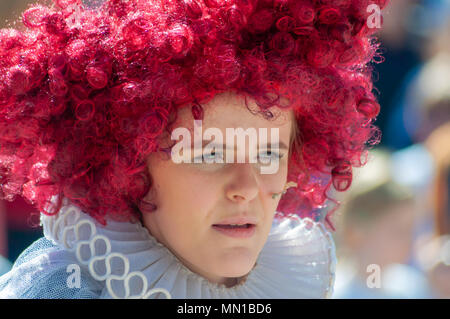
pixel 79 258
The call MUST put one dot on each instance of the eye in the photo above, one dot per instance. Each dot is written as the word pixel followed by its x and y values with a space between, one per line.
pixel 269 154
pixel 211 155
pixel 208 157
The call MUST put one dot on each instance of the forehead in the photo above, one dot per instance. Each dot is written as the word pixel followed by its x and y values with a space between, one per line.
pixel 229 110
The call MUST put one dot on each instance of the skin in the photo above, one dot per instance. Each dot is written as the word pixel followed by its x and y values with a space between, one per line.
pixel 191 197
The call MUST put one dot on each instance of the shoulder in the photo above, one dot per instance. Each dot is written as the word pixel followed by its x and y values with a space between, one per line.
pixel 45 271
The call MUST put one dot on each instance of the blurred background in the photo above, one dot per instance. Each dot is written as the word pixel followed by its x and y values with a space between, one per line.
pixel 393 227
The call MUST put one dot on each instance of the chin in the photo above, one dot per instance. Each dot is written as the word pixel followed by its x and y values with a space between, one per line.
pixel 236 267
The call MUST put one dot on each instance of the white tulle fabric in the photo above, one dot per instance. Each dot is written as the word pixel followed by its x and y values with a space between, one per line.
pixel 297 261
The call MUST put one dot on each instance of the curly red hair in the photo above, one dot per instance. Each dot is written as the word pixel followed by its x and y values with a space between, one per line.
pixel 86 92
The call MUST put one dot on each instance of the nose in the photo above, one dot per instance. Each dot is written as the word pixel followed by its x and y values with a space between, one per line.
pixel 243 187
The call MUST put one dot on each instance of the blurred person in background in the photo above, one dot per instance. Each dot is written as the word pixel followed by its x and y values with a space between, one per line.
pixel 403 119
pixel 376 236
pixel 401 53
pixel 434 258
pixel 433 248
pixel 426 110
pixel 420 125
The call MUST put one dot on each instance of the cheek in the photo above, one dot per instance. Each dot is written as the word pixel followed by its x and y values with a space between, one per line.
pixel 271 184
pixel 274 183
pixel 183 196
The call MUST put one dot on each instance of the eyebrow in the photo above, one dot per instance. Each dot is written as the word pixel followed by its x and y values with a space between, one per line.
pixel 280 145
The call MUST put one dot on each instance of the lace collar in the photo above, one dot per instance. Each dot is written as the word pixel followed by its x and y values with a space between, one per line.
pixel 297 261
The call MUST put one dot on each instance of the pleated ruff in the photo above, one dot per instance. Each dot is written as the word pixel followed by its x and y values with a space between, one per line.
pixel 297 261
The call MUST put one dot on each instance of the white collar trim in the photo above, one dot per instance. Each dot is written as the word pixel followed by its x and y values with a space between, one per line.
pixel 297 261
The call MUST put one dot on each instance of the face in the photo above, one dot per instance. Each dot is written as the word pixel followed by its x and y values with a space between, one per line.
pixel 196 201
pixel 388 239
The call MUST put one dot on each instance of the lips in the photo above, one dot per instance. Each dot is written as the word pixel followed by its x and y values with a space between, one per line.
pixel 234 226
pixel 240 220
pixel 238 227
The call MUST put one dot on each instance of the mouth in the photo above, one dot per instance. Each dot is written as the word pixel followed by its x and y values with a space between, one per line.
pixel 236 230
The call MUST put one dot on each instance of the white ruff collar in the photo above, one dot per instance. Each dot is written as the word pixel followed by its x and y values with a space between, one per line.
pixel 297 261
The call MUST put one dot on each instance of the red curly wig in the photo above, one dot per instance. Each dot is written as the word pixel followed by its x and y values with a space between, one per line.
pixel 86 92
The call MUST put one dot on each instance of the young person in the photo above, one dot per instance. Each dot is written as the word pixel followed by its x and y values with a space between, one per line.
pixel 104 115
